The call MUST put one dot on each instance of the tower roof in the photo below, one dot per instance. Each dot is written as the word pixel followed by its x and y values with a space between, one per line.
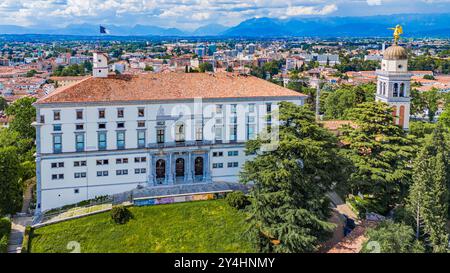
pixel 395 52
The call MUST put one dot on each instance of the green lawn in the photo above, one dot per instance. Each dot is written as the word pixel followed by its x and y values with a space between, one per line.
pixel 202 226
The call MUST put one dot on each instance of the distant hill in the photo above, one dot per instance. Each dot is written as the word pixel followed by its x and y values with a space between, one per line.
pixel 209 30
pixel 415 25
pixel 367 26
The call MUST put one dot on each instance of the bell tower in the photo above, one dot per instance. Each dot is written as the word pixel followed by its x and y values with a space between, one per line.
pixel 393 81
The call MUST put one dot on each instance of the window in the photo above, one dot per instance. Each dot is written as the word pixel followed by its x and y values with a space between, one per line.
pixel 217 165
pixel 120 113
pixel 233 164
pixel 79 127
pixel 79 145
pixel 138 171
pixel 395 93
pixel 233 108
pixel 121 160
pixel 160 135
pixel 219 108
pixel 57 127
pixel 102 140
pixel 80 175
pixel 79 163
pixel 218 133
pixel 120 140
pixel 219 121
pixel 140 159
pixel 42 119
pixel 79 114
pixel 250 119
pixel 102 162
pixel 76 191
pixel 56 115
pixel 57 144
pixel 179 132
pixel 199 133
pixel 120 124
pixel 233 120
pixel 141 112
pixel 217 154
pixel 57 176
pixel 141 139
pixel 268 107
pixel 141 124
pixel 102 126
pixel 57 165
pixel 102 173
pixel 121 172
pixel 101 113
pixel 251 108
pixel 251 131
pixel 233 133
pixel 233 153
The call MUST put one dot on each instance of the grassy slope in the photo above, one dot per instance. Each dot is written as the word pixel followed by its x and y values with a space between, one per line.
pixel 202 226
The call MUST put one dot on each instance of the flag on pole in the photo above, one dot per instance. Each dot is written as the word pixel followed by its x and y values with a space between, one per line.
pixel 103 30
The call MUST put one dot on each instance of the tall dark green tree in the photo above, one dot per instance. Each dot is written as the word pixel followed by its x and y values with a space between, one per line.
pixel 290 208
pixel 23 113
pixel 428 197
pixel 380 152
pixel 3 104
pixel 10 186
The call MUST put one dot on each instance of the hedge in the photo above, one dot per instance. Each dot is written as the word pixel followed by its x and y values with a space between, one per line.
pixel 26 239
pixel 5 230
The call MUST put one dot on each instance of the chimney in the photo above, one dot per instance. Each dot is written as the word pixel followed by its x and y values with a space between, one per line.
pixel 100 66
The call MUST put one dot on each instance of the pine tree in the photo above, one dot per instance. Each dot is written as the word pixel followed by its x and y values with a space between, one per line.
pixel 290 209
pixel 428 197
pixel 380 152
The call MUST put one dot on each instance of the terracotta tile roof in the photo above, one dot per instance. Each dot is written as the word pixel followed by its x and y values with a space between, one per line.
pixel 166 86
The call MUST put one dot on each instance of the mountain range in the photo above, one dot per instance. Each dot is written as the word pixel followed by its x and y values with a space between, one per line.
pixel 415 25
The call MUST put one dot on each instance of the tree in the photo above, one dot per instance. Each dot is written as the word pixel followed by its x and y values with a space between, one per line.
pixel 339 102
pixel 289 208
pixel 296 83
pixel 10 187
pixel 148 68
pixel 431 99
pixel 206 67
pixel 3 104
pixel 392 238
pixel 444 118
pixel 380 152
pixel 23 113
pixel 428 197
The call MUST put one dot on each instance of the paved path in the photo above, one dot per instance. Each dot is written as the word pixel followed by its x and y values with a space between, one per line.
pixel 27 198
pixel 17 230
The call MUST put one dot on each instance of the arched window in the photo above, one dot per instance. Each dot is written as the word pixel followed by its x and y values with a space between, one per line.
pixel 402 90
pixel 179 167
pixel 402 116
pixel 180 132
pixel 395 94
pixel 384 89
pixel 160 168
pixel 198 166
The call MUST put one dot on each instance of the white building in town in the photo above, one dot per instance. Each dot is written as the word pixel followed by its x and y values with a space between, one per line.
pixel 109 134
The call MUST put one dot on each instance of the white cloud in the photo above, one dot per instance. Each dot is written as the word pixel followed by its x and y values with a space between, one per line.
pixel 373 2
pixel 310 10
pixel 192 13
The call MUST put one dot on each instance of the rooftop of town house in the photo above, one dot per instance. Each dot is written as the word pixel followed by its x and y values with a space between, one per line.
pixel 166 86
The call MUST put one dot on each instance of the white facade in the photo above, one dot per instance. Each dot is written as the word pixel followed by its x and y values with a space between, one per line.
pixel 393 88
pixel 100 65
pixel 88 150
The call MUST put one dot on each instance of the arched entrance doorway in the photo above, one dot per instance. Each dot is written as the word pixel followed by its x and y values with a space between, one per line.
pixel 160 171
pixel 179 167
pixel 198 166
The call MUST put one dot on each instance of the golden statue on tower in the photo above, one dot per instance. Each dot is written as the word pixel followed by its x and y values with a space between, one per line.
pixel 398 30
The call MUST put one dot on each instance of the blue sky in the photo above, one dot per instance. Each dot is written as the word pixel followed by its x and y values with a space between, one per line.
pixel 189 14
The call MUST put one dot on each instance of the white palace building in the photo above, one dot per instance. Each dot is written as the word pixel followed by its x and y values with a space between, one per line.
pixel 109 134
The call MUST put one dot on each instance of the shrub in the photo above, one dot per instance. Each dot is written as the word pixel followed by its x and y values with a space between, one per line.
pixel 121 214
pixel 5 229
pixel 26 240
pixel 237 199
pixel 390 237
